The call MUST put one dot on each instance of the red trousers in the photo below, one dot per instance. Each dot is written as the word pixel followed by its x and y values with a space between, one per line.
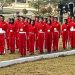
pixel 17 45
pixel 65 39
pixel 48 41
pixel 28 43
pixel 22 43
pixel 7 40
pixel 72 39
pixel 12 42
pixel 55 41
pixel 31 42
pixel 41 41
pixel 2 43
pixel 36 42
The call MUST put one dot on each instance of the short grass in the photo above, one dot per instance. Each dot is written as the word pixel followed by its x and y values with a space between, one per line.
pixel 55 66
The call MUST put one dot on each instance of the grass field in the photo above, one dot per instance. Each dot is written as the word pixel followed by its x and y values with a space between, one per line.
pixel 56 66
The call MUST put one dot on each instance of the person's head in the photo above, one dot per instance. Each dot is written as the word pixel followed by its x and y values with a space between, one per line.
pixel 26 19
pixel 36 18
pixel 2 18
pixel 49 22
pixel 11 21
pixel 18 17
pixel 32 22
pixel 55 19
pixel 29 20
pixel 52 18
pixel 49 17
pixel 65 21
pixel 45 20
pixel 40 19
pixel 22 18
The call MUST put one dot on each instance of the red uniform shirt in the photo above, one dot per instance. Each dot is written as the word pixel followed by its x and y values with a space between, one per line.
pixel 56 25
pixel 48 27
pixel 3 25
pixel 11 28
pixel 31 29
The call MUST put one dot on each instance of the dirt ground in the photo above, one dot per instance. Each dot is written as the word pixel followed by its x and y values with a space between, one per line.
pixel 56 66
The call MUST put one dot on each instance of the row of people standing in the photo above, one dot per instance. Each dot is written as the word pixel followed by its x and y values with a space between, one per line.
pixel 68 33
pixel 31 35
pixel 39 34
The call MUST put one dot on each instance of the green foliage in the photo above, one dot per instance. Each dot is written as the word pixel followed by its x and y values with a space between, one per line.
pixel 25 11
pixel 43 10
pixel 36 13
pixel 38 3
pixel 7 1
pixel 49 9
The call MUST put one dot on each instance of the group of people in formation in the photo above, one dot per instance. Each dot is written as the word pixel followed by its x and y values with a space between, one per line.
pixel 25 34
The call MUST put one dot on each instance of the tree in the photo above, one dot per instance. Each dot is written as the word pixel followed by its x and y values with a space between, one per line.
pixel 43 10
pixel 36 13
pixel 25 11
pixel 38 4
pixel 49 9
pixel 4 3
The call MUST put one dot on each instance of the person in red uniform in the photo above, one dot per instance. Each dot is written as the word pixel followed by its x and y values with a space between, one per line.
pixel 48 36
pixel 52 19
pixel 41 35
pixel 45 22
pixel 3 25
pixel 22 36
pixel 36 26
pixel 22 42
pixel 27 32
pixel 21 24
pixel 2 42
pixel 69 19
pixel 26 20
pixel 32 37
pixel 56 34
pixel 72 33
pixel 36 17
pixel 17 23
pixel 65 34
pixel 7 37
pixel 11 34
